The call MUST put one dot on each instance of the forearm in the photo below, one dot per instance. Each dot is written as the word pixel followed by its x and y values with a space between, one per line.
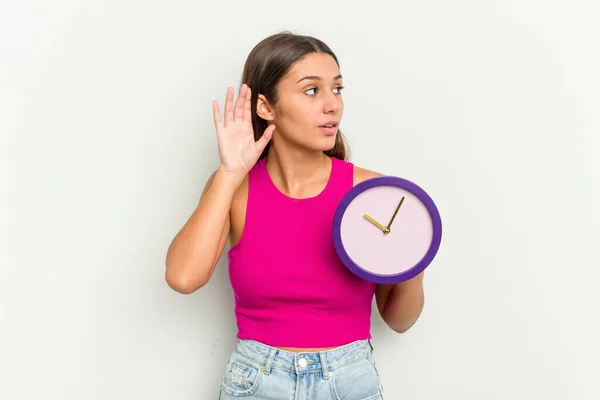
pixel 404 304
pixel 196 248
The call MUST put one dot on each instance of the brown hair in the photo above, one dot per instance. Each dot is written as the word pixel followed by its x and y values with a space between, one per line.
pixel 267 64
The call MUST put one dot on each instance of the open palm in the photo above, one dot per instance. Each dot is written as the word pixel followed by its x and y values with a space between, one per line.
pixel 235 136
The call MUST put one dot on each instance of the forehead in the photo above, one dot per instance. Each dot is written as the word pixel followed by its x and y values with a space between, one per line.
pixel 313 64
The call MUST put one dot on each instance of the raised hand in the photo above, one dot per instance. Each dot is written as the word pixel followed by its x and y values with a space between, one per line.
pixel 235 136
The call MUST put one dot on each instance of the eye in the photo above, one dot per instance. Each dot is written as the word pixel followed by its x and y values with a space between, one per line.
pixel 315 90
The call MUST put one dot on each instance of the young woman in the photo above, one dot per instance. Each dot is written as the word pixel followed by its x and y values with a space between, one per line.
pixel 303 318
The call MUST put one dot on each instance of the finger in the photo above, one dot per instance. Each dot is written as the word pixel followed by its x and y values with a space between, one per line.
pixel 229 105
pixel 238 111
pixel 216 115
pixel 248 106
pixel 265 138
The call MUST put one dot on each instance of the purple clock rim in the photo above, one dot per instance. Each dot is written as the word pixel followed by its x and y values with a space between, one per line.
pixel 403 184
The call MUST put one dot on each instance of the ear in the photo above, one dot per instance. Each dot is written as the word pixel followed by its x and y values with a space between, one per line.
pixel 264 109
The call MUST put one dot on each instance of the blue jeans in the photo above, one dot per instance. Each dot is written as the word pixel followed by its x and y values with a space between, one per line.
pixel 256 371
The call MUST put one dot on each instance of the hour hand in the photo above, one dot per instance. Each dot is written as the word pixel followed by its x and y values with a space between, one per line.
pixel 377 224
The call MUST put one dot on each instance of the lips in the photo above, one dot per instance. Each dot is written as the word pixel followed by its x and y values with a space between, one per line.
pixel 330 127
pixel 329 124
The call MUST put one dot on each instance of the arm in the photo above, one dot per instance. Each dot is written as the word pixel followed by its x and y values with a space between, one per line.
pixel 399 305
pixel 197 248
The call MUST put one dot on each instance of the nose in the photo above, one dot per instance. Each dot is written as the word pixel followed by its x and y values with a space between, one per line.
pixel 332 103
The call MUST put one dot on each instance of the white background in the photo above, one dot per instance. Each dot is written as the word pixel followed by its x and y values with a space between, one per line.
pixel 106 139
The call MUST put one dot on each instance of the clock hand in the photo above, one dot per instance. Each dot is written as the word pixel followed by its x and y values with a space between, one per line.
pixel 395 212
pixel 377 224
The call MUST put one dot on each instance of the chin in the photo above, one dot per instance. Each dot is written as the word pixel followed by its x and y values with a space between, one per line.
pixel 318 143
pixel 326 143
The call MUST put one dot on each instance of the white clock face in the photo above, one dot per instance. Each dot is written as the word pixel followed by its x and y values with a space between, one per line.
pixel 368 245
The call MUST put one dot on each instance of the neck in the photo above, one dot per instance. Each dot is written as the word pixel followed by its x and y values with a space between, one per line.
pixel 294 169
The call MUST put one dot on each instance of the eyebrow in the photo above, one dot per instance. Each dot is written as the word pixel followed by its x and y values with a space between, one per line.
pixel 318 78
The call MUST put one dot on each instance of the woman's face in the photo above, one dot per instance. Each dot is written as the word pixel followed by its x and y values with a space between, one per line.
pixel 310 106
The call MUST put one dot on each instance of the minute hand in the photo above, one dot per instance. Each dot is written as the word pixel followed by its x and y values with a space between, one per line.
pixel 395 212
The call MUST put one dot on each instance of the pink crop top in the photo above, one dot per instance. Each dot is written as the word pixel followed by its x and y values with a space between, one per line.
pixel 289 285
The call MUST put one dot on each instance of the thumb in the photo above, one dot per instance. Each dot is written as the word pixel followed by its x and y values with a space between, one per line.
pixel 265 138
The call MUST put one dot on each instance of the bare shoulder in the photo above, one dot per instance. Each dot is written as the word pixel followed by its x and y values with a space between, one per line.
pixel 362 174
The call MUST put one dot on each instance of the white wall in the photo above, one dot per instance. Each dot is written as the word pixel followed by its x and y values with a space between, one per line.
pixel 106 139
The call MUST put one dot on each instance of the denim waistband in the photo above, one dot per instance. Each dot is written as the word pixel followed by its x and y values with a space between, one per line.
pixel 303 362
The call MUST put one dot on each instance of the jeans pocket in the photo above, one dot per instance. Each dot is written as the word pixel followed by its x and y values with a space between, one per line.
pixel 371 359
pixel 356 381
pixel 241 377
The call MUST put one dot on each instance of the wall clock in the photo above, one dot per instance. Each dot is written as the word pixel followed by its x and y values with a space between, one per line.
pixel 387 229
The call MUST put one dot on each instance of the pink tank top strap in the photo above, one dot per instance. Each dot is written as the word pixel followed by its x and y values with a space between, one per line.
pixel 342 177
pixel 258 175
pixel 258 190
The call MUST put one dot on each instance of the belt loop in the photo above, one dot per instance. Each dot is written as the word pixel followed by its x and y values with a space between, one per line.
pixel 370 344
pixel 267 367
pixel 324 365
